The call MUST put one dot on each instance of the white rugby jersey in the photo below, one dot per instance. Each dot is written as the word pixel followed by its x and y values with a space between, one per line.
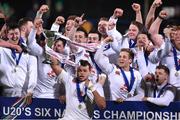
pixel 19 79
pixel 72 102
pixel 117 84
pixel 47 86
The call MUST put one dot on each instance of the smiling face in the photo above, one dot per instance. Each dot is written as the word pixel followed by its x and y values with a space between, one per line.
pixel 13 35
pixel 172 33
pixel 59 47
pixel 102 27
pixel 80 37
pixel 69 25
pixel 133 31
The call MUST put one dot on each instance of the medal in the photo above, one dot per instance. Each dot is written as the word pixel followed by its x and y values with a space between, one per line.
pixel 16 58
pixel 177 65
pixel 129 95
pixel 177 74
pixel 81 106
pixel 132 79
pixel 14 70
pixel 81 98
pixel 160 92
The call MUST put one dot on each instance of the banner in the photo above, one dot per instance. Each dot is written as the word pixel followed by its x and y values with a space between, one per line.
pixel 53 109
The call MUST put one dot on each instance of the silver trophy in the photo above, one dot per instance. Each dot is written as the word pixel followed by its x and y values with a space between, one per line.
pixel 50 37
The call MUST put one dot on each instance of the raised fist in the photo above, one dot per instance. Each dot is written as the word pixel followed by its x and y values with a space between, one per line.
pixel 163 14
pixel 38 23
pixel 60 20
pixel 136 7
pixel 157 3
pixel 43 9
pixel 118 12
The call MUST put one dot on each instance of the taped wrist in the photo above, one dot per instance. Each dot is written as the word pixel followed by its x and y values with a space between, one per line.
pixel 91 86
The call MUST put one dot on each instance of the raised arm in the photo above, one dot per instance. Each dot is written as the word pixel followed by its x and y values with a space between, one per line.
pixel 137 8
pixel 111 28
pixel 154 29
pixel 35 48
pixel 10 45
pixel 56 25
pixel 71 34
pixel 103 61
pixel 151 14
pixel 43 9
pixel 118 12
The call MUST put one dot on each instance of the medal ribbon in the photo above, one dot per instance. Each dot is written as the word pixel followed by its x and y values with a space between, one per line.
pixel 129 86
pixel 146 58
pixel 131 45
pixel 99 71
pixel 80 97
pixel 176 59
pixel 14 53
pixel 161 91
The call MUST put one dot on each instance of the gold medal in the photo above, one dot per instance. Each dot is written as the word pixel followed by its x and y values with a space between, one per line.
pixel 177 74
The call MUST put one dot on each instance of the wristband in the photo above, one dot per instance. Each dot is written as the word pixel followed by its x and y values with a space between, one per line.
pixel 161 17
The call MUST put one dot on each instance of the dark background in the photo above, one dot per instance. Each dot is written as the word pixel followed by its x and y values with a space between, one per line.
pixel 93 9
